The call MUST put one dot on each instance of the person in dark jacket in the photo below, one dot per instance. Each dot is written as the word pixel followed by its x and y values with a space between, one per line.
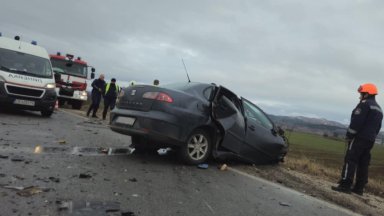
pixel 111 92
pixel 98 86
pixel 365 124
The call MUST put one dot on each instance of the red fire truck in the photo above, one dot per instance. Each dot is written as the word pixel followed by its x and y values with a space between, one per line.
pixel 71 79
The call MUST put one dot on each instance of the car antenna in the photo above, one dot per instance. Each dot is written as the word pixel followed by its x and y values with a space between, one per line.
pixel 185 68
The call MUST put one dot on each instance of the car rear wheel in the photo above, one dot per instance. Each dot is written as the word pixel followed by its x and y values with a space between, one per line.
pixel 197 149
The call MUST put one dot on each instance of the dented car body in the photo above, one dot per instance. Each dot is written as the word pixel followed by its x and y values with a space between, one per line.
pixel 198 120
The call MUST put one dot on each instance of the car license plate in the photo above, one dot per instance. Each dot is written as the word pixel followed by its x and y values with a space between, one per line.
pixel 24 102
pixel 125 120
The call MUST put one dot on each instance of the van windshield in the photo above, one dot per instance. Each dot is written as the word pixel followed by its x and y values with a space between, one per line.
pixel 22 63
pixel 73 68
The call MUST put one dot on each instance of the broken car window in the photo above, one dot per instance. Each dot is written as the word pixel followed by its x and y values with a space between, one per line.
pixel 253 112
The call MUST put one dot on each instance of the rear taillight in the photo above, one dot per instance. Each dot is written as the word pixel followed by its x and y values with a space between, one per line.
pixel 158 96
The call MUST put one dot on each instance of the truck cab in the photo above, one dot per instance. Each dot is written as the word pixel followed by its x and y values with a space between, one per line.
pixel 71 76
pixel 26 76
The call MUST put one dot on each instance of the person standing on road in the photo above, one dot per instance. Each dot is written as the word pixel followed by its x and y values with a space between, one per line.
pixel 111 92
pixel 98 86
pixel 365 124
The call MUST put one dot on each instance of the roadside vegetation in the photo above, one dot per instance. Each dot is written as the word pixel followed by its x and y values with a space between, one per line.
pixel 323 157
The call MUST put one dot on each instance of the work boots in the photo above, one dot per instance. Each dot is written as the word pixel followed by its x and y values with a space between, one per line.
pixel 358 191
pixel 342 188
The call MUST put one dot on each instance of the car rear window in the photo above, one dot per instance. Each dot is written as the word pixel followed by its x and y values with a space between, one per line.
pixel 198 89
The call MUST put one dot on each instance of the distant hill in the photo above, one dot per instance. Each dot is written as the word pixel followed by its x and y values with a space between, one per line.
pixel 319 126
pixel 311 125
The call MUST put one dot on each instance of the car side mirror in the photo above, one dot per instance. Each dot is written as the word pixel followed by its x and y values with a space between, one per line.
pixel 92 75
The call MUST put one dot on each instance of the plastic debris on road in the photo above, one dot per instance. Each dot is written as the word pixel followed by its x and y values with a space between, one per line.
pixel 163 151
pixel 223 167
pixel 85 176
pixel 284 204
pixel 202 166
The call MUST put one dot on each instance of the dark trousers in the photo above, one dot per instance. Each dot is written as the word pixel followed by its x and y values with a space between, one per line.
pixel 108 103
pixel 356 161
pixel 96 98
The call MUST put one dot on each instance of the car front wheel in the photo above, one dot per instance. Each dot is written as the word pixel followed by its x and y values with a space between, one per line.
pixel 197 149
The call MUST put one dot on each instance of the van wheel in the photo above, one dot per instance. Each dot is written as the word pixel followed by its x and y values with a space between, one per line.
pixel 197 149
pixel 46 113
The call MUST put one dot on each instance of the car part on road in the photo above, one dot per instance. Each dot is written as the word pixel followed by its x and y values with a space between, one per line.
pixel 203 166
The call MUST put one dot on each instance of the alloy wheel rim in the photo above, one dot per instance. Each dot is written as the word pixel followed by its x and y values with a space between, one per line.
pixel 197 146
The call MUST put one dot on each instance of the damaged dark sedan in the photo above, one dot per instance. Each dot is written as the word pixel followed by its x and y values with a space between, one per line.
pixel 198 120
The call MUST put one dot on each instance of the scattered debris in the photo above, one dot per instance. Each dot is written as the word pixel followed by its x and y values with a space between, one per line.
pixel 88 207
pixel 128 213
pixel 133 180
pixel 30 191
pixel 13 187
pixel 54 179
pixel 284 204
pixel 4 156
pixel 202 166
pixel 62 142
pixel 135 195
pixel 2 175
pixel 27 191
pixel 85 176
pixel 18 177
pixel 163 151
pixel 223 167
pixel 17 158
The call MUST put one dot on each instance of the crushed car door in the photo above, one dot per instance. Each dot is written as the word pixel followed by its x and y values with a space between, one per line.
pixel 263 143
pixel 228 114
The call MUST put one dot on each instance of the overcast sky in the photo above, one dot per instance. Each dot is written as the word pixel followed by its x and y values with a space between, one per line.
pixel 290 57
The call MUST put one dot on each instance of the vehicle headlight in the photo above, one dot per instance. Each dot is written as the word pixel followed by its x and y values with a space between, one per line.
pixel 83 93
pixel 50 86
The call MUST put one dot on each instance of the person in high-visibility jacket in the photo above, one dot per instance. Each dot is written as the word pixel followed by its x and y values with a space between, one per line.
pixel 365 124
pixel 110 95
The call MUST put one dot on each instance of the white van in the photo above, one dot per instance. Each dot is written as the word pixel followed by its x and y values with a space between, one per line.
pixel 26 77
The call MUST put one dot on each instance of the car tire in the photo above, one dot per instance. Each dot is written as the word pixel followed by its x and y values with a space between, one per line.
pixel 197 149
pixel 46 113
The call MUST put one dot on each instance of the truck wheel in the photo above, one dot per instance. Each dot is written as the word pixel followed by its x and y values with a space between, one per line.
pixel 77 104
pixel 46 113
pixel 197 149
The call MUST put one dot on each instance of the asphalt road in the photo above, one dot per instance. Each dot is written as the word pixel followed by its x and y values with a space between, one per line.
pixel 51 154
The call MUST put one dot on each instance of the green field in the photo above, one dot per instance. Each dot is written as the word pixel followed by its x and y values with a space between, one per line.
pixel 330 152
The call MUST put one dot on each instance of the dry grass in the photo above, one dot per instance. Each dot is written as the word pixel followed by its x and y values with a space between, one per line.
pixel 312 167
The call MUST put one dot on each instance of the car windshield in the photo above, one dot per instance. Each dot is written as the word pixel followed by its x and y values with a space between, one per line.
pixel 22 63
pixel 74 69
